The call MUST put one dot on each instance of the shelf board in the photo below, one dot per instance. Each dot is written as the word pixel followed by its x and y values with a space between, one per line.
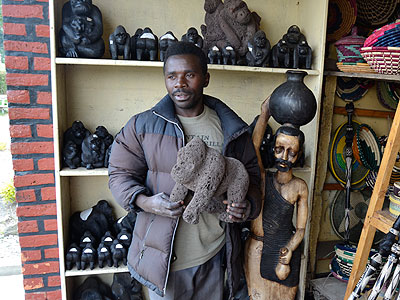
pixel 96 271
pixel 84 172
pixel 159 64
pixel 375 76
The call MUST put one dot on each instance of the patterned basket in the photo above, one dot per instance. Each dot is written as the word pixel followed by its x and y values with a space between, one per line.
pixel 355 67
pixel 383 34
pixel 348 48
pixel 341 18
pixel 384 60
pixel 373 12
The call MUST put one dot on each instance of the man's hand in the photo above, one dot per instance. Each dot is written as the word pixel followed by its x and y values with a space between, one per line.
pixel 238 211
pixel 160 204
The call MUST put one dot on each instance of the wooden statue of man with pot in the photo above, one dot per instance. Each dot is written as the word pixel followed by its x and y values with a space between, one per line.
pixel 273 255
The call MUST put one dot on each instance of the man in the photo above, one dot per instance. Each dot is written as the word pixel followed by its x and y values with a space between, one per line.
pixel 174 259
pixel 274 272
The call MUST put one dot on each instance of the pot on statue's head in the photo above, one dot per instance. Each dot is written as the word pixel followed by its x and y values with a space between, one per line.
pixel 293 102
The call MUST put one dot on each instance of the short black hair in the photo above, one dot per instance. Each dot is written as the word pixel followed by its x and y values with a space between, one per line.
pixel 292 131
pixel 182 48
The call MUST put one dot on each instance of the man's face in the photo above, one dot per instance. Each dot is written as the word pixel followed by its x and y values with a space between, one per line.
pixel 185 82
pixel 286 151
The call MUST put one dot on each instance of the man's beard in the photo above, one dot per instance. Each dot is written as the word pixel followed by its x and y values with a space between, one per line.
pixel 279 161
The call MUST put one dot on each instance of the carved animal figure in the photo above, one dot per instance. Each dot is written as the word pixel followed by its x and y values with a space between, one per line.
pixel 125 237
pixel 93 152
pixel 147 45
pixel 104 255
pixel 209 174
pixel 214 55
pixel 165 41
pixel 71 155
pixel 88 257
pixel 107 239
pixel 87 238
pixel 193 36
pixel 229 55
pixel 134 38
pixel 124 287
pixel 93 289
pixel 103 133
pixel 302 56
pixel 127 222
pixel 120 43
pixel 118 253
pixel 82 30
pixel 76 134
pixel 259 50
pixel 73 257
pixel 281 54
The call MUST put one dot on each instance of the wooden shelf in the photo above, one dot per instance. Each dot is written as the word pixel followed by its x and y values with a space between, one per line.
pixel 159 64
pixel 375 76
pixel 96 271
pixel 84 172
pixel 382 220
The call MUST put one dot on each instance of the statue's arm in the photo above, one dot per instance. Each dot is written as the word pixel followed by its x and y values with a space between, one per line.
pixel 230 34
pixel 97 31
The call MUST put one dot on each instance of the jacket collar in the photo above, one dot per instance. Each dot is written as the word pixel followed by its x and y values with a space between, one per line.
pixel 232 125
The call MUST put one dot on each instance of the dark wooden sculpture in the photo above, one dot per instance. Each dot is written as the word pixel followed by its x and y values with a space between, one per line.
pixel 124 287
pixel 229 22
pixel 120 43
pixel 272 257
pixel 71 155
pixel 73 257
pixel 229 55
pixel 193 36
pixel 259 50
pixel 89 257
pixel 104 255
pixel 82 30
pixel 214 56
pixel 103 133
pixel 147 45
pixel 134 38
pixel 93 152
pixel 302 56
pixel 93 288
pixel 118 253
pixel 76 134
pixel 281 54
pixel 165 41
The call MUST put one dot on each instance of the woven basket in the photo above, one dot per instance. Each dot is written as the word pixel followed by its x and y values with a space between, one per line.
pixel 341 18
pixel 373 12
pixel 348 48
pixel 355 67
pixel 384 60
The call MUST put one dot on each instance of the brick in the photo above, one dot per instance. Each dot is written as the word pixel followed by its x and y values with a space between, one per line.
pixel 44 130
pixel 43 98
pixel 51 253
pixel 53 281
pixel 38 240
pixel 25 196
pixel 33 283
pixel 16 113
pixel 28 227
pixel 46 164
pixel 50 225
pixel 14 29
pixel 33 179
pixel 48 193
pixel 18 96
pixel 36 296
pixel 41 63
pixel 37 210
pixel 53 295
pixel 16 62
pixel 16 79
pixel 23 164
pixel 23 11
pixel 20 131
pixel 31 255
pixel 33 147
pixel 42 30
pixel 35 47
pixel 41 268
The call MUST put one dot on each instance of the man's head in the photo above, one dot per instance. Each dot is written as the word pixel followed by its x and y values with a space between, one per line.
pixel 185 75
pixel 287 147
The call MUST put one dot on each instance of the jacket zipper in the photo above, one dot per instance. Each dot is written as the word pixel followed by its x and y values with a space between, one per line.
pixel 177 221
pixel 144 241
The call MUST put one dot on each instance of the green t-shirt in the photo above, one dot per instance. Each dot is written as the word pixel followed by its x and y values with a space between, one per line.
pixel 197 243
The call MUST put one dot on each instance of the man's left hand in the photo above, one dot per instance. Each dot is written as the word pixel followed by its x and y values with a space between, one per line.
pixel 238 211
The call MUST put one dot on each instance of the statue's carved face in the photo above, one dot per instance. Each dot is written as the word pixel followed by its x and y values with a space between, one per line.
pixel 81 7
pixel 240 13
pixel 120 35
pixel 286 151
pixel 192 35
pixel 260 39
pixel 78 129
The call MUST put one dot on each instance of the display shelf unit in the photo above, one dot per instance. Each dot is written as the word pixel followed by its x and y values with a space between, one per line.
pixel 108 92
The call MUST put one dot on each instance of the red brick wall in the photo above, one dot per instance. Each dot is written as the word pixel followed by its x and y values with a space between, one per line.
pixel 27 49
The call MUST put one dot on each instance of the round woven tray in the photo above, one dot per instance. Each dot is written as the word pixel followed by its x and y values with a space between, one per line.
pixel 388 94
pixel 373 12
pixel 341 18
pixel 368 147
pixel 384 60
pixel 352 89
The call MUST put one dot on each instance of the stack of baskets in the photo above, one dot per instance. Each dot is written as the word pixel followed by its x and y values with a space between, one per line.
pixel 381 49
pixel 394 197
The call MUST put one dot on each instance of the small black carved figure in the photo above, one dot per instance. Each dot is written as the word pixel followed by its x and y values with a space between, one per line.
pixel 229 55
pixel 107 156
pixel 103 133
pixel 82 30
pixel 76 133
pixel 281 54
pixel 71 155
pixel 127 222
pixel 193 36
pixel 87 238
pixel 118 253
pixel 124 287
pixel 134 38
pixel 147 45
pixel 97 219
pixel 73 257
pixel 104 255
pixel 107 239
pixel 88 257
pixel 165 41
pixel 214 56
pixel 259 50
pixel 120 43
pixel 93 289
pixel 125 238
pixel 293 36
pixel 302 56
pixel 93 152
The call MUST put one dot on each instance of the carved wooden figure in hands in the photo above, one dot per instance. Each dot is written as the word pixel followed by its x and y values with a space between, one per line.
pixel 272 257
pixel 82 30
pixel 120 43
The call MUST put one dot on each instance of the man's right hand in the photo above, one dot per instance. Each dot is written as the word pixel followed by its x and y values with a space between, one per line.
pixel 160 204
